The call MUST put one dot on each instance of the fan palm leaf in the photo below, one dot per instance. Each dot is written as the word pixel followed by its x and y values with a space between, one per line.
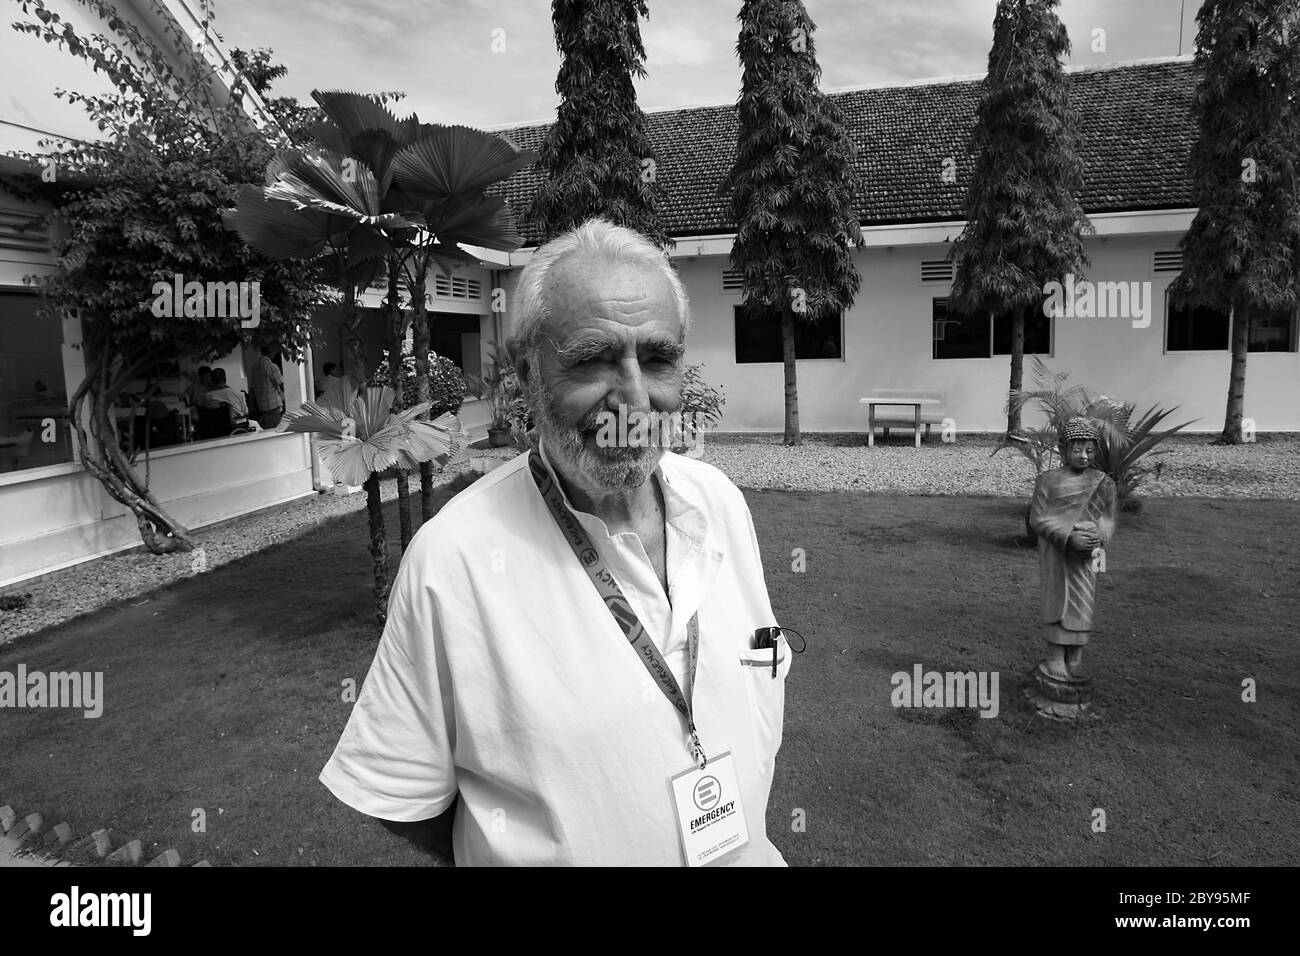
pixel 478 221
pixel 448 161
pixel 363 437
pixel 358 126
pixel 334 183
pixel 280 230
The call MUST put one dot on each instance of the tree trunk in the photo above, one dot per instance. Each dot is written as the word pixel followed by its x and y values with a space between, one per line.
pixel 396 335
pixel 1017 369
pixel 378 547
pixel 102 457
pixel 357 372
pixel 355 341
pixel 1236 377
pixel 420 346
pixel 792 436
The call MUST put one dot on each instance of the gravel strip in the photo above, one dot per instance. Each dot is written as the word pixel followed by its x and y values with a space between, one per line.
pixel 1269 468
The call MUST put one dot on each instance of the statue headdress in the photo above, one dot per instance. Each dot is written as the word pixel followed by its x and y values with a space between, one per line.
pixel 1078 429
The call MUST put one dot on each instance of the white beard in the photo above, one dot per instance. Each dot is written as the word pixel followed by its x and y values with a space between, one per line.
pixel 608 468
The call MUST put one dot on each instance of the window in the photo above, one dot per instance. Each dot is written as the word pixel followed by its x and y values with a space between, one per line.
pixel 961 335
pixel 758 336
pixel 1038 333
pixel 1194 328
pixel 1273 331
pixel 1205 329
pixel 33 394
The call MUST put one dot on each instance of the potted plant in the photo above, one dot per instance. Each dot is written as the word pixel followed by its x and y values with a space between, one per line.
pixel 701 410
pixel 499 387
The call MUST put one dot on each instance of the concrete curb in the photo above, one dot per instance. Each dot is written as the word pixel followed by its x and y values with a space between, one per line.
pixel 18 840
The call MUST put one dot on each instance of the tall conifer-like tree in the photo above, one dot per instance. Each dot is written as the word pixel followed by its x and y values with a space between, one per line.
pixel 1024 224
pixel 1242 251
pixel 596 159
pixel 792 185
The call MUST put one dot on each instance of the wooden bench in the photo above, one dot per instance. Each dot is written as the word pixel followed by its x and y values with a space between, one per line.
pixel 924 404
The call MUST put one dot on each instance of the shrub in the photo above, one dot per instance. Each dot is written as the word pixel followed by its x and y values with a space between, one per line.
pixel 701 402
pixel 447 387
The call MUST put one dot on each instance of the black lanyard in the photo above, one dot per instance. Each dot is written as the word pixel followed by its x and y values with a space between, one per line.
pixel 619 607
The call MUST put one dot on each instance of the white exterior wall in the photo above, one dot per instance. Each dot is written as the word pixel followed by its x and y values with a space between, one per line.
pixel 888 344
pixel 887 341
pixel 62 516
pixel 57 516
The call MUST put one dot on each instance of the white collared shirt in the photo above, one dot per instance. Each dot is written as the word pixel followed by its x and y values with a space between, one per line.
pixel 502 675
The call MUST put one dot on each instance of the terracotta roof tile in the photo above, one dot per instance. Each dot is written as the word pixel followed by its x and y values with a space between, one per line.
pixel 1136 132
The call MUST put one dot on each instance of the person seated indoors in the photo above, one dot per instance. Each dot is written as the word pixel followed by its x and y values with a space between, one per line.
pixel 222 394
pixel 199 385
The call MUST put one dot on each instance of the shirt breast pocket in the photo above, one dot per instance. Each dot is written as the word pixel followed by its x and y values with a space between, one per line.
pixel 766 691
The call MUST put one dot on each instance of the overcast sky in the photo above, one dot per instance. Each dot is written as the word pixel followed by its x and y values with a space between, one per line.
pixel 440 52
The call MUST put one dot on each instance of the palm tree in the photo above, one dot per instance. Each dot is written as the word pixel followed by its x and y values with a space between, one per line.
pixel 381 190
pixel 363 438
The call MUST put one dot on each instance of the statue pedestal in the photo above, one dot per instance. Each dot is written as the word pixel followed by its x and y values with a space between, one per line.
pixel 1059 698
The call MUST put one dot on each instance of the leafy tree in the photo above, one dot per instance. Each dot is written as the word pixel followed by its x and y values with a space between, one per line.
pixel 1242 251
pixel 1025 226
pixel 140 207
pixel 596 159
pixel 257 68
pixel 792 186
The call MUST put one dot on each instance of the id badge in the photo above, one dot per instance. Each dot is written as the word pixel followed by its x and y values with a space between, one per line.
pixel 710 817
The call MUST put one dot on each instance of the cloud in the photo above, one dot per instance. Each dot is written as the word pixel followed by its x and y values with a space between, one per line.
pixel 445 63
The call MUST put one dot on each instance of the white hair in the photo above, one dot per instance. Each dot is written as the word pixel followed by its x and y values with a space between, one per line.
pixel 597 236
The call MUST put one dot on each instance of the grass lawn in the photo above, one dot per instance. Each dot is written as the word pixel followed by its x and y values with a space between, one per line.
pixel 224 692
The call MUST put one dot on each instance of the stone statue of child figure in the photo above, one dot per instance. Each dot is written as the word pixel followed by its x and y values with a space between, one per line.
pixel 1073 514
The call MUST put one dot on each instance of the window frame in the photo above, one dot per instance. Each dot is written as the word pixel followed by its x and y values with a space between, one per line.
pixel 738 307
pixel 1292 349
pixel 992 328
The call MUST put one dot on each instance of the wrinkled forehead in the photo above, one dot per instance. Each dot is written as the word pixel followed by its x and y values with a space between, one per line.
pixel 589 293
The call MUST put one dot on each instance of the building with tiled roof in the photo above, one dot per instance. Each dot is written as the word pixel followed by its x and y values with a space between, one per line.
pixel 1136 132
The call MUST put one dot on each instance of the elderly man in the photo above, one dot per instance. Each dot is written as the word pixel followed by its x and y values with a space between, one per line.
pixel 571 641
